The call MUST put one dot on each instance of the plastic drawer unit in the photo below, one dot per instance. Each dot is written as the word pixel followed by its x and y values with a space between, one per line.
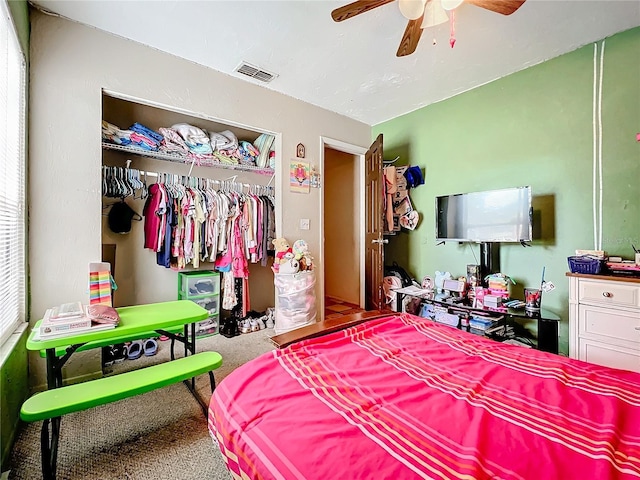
pixel 202 287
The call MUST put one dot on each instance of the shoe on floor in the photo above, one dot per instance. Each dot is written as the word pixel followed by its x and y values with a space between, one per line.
pixel 270 321
pixel 119 352
pixel 150 347
pixel 135 350
pixel 108 358
pixel 255 324
pixel 245 326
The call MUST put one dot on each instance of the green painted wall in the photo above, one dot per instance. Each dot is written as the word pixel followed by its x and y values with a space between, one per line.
pixel 531 128
pixel 20 13
pixel 14 382
pixel 14 389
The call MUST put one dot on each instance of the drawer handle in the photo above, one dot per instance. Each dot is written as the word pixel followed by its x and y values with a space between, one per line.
pixel 607 294
pixel 637 328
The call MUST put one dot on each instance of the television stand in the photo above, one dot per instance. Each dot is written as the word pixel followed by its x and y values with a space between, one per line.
pixel 489 259
pixel 511 318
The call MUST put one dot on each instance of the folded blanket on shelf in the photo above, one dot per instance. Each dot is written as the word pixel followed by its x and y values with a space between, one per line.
pixel 114 134
pixel 172 142
pixel 226 159
pixel 223 140
pixel 200 148
pixel 196 139
pixel 263 144
pixel 192 135
pixel 147 132
pixel 248 153
pixel 145 142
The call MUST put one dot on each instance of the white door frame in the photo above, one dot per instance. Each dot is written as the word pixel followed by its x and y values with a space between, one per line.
pixel 358 152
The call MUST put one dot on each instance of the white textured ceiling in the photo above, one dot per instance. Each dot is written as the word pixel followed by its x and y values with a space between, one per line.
pixel 351 67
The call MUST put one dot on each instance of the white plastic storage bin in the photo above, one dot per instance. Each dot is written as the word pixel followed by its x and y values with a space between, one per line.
pixel 296 305
pixel 195 286
pixel 210 304
pixel 209 326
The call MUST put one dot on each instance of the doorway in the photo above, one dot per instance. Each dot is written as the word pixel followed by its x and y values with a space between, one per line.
pixel 342 203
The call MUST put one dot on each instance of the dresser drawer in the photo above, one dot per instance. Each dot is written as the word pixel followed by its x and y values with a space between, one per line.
pixel 608 325
pixel 609 293
pixel 609 355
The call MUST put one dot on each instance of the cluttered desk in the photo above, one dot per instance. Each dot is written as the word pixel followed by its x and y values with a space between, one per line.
pixel 499 321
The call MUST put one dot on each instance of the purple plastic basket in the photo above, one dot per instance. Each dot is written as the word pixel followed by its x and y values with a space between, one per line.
pixel 584 264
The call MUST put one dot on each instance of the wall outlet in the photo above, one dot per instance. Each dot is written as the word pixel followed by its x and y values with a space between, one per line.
pixel 304 224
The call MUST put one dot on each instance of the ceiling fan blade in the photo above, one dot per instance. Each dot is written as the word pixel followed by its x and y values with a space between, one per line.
pixel 356 8
pixel 505 7
pixel 410 38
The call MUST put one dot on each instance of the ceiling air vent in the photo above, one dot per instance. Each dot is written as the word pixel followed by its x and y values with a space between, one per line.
pixel 255 72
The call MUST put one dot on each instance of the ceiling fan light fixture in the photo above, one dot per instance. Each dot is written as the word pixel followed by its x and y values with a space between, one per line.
pixel 434 14
pixel 451 4
pixel 421 17
pixel 411 9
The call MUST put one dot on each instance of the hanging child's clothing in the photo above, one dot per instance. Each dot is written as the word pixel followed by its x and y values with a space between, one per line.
pixel 189 225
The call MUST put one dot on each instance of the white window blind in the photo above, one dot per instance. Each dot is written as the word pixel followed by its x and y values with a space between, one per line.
pixel 12 177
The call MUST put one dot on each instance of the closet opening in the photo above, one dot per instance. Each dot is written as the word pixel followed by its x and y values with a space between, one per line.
pixel 131 173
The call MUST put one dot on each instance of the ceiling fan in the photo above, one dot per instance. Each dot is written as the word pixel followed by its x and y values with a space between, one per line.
pixel 421 14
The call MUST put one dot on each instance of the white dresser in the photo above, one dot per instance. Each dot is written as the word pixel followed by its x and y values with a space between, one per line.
pixel 604 320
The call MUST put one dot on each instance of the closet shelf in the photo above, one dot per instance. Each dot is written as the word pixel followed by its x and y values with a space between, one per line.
pixel 183 159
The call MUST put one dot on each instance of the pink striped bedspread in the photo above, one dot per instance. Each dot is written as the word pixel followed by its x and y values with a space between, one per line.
pixel 402 397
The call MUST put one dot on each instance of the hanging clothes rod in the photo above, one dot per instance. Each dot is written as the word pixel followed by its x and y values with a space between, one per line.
pixel 218 182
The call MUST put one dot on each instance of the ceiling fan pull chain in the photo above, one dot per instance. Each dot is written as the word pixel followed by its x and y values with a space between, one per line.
pixel 452 23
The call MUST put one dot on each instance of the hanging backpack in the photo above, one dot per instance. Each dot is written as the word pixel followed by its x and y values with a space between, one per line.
pixel 396 270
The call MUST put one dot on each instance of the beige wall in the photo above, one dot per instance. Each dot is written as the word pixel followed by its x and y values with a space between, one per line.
pixel 341 226
pixel 70 65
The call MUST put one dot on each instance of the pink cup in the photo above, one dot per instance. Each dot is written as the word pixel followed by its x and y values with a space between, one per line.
pixel 532 298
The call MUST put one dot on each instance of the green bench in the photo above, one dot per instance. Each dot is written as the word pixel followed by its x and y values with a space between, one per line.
pixel 52 404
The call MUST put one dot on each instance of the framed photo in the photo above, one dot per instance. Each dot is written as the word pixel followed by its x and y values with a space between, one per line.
pixel 300 150
pixel 299 176
pixel 315 177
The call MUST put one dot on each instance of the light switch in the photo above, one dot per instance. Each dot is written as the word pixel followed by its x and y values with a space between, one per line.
pixel 304 224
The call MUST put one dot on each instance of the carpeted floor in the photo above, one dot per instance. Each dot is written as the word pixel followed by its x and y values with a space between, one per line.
pixel 159 435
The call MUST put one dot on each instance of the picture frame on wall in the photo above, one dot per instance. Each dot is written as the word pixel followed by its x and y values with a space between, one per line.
pixel 300 150
pixel 299 176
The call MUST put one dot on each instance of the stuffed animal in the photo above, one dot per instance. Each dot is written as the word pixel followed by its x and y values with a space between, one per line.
pixel 290 265
pixel 303 255
pixel 282 248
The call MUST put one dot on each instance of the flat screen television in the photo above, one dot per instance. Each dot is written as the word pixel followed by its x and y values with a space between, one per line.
pixel 489 216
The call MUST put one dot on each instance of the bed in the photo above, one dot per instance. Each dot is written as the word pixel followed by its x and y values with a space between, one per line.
pixel 402 397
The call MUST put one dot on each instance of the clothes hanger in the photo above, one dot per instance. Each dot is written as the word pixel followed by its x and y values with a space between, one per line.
pixel 114 185
pixel 120 187
pixel 145 191
pixel 128 189
pixel 104 180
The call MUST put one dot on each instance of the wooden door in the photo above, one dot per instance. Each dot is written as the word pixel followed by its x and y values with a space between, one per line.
pixel 374 242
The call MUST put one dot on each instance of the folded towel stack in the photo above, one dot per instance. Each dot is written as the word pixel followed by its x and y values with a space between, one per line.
pixel 144 137
pixel 172 142
pixel 196 139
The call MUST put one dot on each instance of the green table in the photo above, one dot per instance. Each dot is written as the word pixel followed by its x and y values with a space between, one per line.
pixel 134 320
